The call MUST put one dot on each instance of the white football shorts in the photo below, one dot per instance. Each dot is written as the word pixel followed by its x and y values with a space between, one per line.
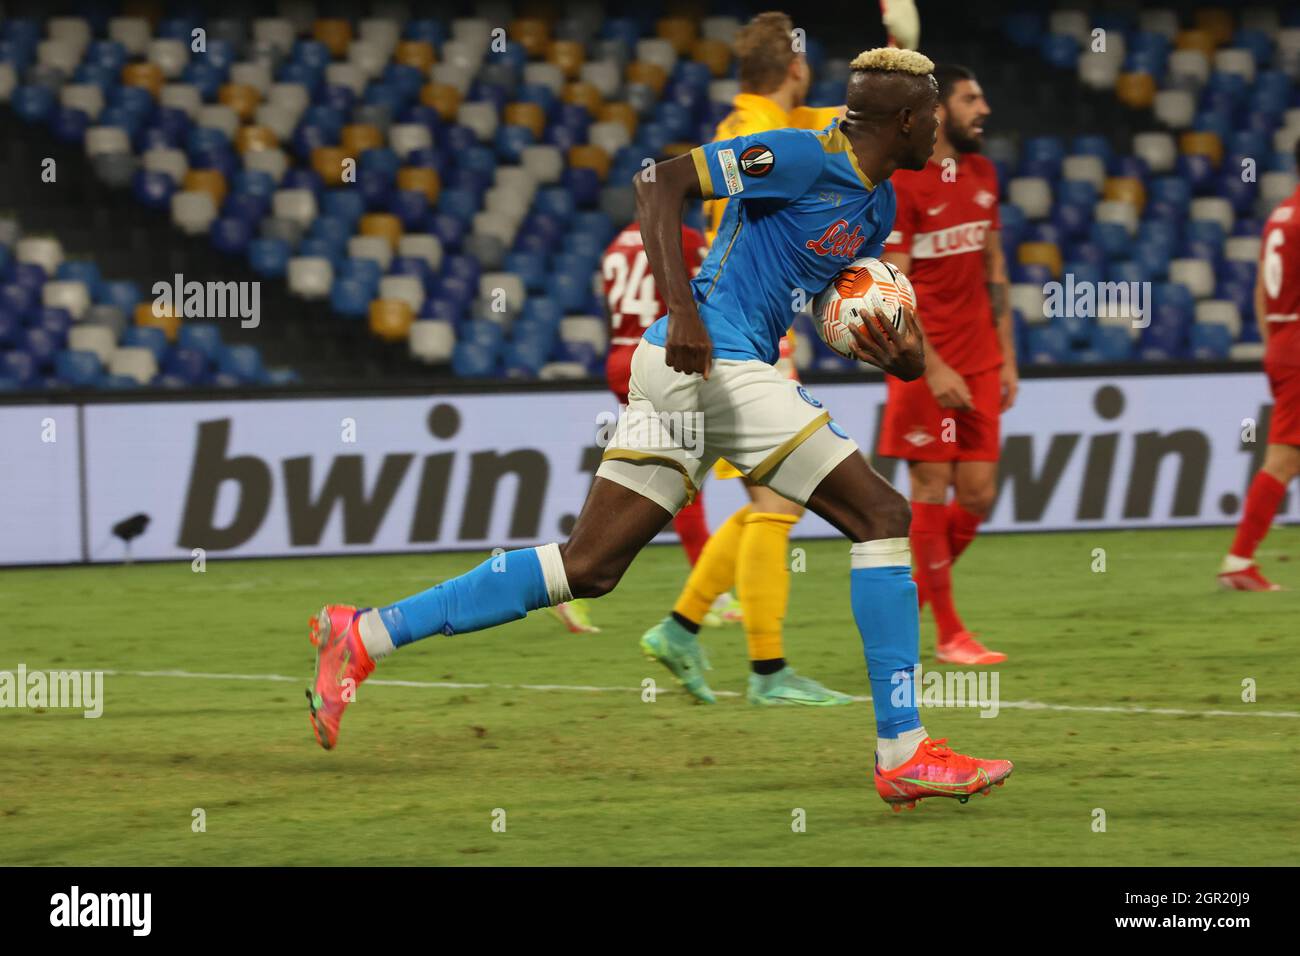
pixel 676 426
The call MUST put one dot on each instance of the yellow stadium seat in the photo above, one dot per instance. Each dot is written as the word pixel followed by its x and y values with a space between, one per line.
pixel 1202 40
pixel 335 33
pixel 538 10
pixel 651 74
pixel 241 98
pixel 359 137
pixel 679 31
pixel 443 98
pixel 249 138
pixel 1127 189
pixel 382 224
pixel 1041 254
pixel 420 179
pixel 151 10
pixel 526 114
pixel 146 75
pixel 623 113
pixel 590 157
pixel 1199 143
pixel 167 320
pixel 416 53
pixel 584 95
pixel 391 319
pixel 568 55
pixel 534 35
pixel 209 181
pixel 328 163
pixel 1217 22
pixel 1136 90
pixel 714 54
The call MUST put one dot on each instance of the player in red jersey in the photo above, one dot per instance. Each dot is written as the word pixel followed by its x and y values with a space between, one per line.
pixel 1277 313
pixel 947 425
pixel 634 303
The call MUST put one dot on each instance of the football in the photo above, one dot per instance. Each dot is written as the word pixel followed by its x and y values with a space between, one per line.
pixel 866 287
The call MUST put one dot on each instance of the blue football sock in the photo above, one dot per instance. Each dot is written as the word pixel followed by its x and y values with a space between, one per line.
pixel 503 588
pixel 885 609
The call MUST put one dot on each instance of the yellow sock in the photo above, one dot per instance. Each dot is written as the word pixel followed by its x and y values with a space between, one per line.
pixel 715 571
pixel 763 581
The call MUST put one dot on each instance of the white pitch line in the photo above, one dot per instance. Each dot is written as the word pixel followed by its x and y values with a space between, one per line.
pixel 591 689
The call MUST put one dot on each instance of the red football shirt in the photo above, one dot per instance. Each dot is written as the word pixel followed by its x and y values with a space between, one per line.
pixel 943 227
pixel 1279 267
pixel 630 294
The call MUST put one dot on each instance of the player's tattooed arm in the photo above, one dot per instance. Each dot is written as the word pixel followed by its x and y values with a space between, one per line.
pixel 995 266
pixel 901 354
pixel 660 192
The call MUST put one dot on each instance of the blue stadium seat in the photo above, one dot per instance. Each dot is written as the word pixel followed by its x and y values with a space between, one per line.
pixel 78 369
pixel 1210 342
pixel 241 361
pixel 1112 343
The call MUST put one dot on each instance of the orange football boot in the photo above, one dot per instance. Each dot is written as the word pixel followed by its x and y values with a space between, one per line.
pixel 936 770
pixel 962 648
pixel 341 665
pixel 1247 579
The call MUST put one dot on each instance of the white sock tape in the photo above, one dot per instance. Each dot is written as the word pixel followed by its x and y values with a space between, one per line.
pixel 881 553
pixel 557 582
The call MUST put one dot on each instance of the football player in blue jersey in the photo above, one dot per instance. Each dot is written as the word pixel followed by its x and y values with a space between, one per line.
pixel 803 206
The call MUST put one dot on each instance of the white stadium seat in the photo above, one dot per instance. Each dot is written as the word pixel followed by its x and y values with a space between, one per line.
pixel 193 211
pixel 1215 209
pixel 274 31
pixel 1241 62
pixel 69 294
pixel 297 205
pixel 182 96
pixel 408 289
pixel 218 116
pixel 273 161
pixel 604 76
pixel 480 117
pixel 546 163
pixel 376 248
pixel 1188 69
pixel 1086 168
pixel 93 338
pixel 1220 312
pixel 86 97
pixel 1028 298
pixel 44 251
pixel 1119 211
pixel 173 162
pixel 1242 249
pixel 1158 150
pixel 107 139
pixel 132 32
pixel 1175 108
pixel 432 341
pixel 492 284
pixel 406 138
pixel 657 50
pixel 585 328
pixel 1196 274
pixel 170 56
pixel 256 75
pixel 310 277
pixel 134 362
pixel 428 248
pixel 1032 194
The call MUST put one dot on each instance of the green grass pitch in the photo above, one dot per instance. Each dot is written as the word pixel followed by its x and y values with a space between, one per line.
pixel 602 777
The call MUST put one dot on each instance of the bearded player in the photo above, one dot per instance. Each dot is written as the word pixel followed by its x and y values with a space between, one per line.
pixel 749 549
pixel 946 425
pixel 1277 313
pixel 708 367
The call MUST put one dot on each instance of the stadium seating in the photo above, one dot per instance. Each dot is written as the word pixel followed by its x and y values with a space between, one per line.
pixel 1224 97
pixel 450 195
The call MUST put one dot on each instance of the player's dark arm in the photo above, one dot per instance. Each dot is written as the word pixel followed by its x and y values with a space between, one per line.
pixel 949 388
pixel 660 192
pixel 995 267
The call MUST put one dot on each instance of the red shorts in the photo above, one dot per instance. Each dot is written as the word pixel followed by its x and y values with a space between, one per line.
pixel 1284 383
pixel 917 428
pixel 618 370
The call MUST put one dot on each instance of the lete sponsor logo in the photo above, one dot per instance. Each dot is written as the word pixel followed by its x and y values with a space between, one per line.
pixel 838 241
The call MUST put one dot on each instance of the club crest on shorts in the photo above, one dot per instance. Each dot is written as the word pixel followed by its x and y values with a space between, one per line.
pixel 803 393
pixel 757 161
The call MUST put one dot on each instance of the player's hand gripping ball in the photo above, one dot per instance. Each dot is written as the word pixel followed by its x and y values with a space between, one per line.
pixel 862 290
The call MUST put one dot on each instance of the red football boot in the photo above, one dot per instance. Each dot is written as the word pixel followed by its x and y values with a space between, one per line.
pixel 341 665
pixel 936 770
pixel 962 648
pixel 1247 579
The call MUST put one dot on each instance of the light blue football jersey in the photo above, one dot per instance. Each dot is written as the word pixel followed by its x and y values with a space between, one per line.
pixel 799 211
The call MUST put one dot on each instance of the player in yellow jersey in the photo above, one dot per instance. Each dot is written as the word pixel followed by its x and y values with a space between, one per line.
pixel 748 552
